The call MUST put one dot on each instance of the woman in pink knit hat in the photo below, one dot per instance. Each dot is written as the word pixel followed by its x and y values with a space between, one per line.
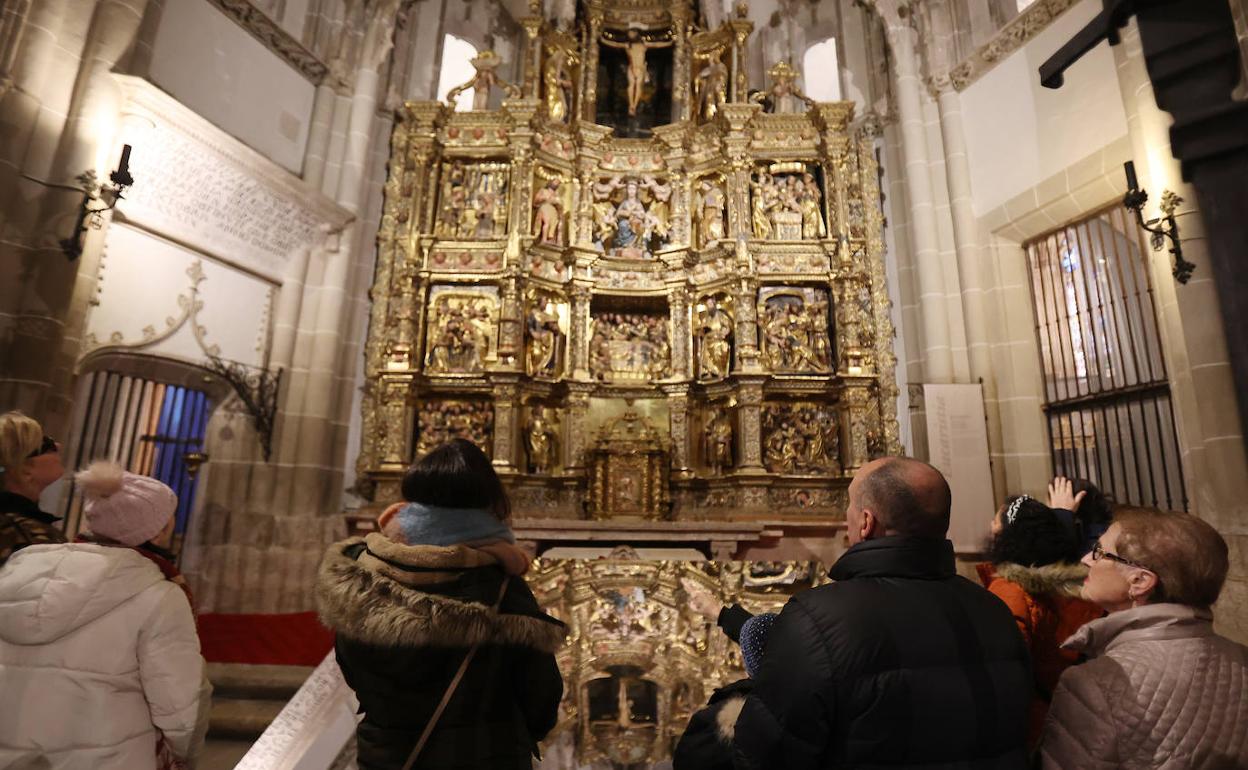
pixel 77 619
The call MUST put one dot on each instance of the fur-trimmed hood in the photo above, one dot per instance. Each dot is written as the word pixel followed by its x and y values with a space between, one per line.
pixel 379 592
pixel 1059 579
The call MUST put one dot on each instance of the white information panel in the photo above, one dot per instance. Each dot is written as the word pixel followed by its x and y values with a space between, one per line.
pixel 957 438
pixel 312 729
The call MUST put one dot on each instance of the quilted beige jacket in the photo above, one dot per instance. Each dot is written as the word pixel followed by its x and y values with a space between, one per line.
pixel 1161 690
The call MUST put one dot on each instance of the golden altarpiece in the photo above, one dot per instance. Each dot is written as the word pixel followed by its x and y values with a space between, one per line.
pixel 656 299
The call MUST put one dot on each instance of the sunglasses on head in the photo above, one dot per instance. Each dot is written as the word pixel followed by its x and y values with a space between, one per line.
pixel 48 445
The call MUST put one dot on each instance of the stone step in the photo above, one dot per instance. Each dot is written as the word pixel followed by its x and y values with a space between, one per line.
pixel 244 681
pixel 241 719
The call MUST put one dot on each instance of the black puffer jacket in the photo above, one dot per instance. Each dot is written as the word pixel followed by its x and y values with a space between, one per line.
pixel 405 617
pixel 900 663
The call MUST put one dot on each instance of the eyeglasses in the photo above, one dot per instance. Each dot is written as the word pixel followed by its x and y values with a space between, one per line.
pixel 49 445
pixel 1099 552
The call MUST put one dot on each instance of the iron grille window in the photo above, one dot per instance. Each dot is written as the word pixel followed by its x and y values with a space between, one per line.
pixel 1107 395
pixel 148 428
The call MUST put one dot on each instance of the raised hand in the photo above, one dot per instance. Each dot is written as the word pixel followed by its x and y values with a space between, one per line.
pixel 1061 494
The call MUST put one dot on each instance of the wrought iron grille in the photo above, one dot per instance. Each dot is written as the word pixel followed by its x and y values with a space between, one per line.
pixel 148 428
pixel 1107 395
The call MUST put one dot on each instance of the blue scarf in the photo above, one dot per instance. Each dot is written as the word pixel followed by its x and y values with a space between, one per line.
pixel 435 525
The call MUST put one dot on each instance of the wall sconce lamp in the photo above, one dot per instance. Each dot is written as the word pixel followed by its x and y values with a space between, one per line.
pixel 1162 229
pixel 109 194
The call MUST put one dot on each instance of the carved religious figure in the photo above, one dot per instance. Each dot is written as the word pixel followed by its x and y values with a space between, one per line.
pixel 557 84
pixel 710 214
pixel 549 218
pixel 787 204
pixel 783 91
pixel 630 346
pixel 545 339
pixel 473 203
pixel 711 87
pixel 541 438
pixel 715 341
pixel 800 438
pixel 795 331
pixel 638 74
pixel 440 421
pixel 718 442
pixel 486 65
pixel 631 215
pixel 459 334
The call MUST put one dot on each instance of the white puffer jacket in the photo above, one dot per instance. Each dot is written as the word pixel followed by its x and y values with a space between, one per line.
pixel 97 651
pixel 1162 691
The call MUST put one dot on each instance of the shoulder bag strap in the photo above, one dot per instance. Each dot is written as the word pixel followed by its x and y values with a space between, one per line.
pixel 450 690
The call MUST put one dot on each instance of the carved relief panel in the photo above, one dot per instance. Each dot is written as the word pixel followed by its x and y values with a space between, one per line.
pixel 439 421
pixel 786 202
pixel 793 322
pixel 632 216
pixel 473 201
pixel 629 347
pixel 462 329
pixel 801 438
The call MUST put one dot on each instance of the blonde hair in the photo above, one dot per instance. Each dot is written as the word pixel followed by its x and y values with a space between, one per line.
pixel 1187 554
pixel 19 436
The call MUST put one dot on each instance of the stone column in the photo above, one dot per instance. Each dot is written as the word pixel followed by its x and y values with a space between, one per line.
pixel 937 353
pixel 1189 316
pixel 319 134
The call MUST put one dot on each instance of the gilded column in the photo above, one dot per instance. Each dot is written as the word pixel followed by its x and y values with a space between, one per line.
pixel 680 71
pixel 855 400
pixel 576 425
pixel 741 28
pixel 506 424
pixel 745 294
pixel 749 426
pixel 532 84
pixel 589 96
pixel 678 421
pixel 678 308
pixel 511 323
pixel 579 343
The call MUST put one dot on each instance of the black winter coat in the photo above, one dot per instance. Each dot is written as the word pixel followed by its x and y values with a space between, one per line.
pixel 707 742
pixel 900 663
pixel 405 617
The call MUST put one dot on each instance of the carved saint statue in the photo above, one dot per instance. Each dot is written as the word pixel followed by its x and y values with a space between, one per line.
pixel 549 222
pixel 718 442
pixel 710 214
pixel 810 203
pixel 486 64
pixel 558 85
pixel 638 75
pixel 711 85
pixel 715 352
pixel 542 356
pixel 783 91
pixel 542 440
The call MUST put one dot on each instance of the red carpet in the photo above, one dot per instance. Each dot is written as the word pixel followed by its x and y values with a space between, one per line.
pixel 295 639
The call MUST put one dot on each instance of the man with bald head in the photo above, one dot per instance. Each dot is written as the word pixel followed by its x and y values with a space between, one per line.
pixel 899 662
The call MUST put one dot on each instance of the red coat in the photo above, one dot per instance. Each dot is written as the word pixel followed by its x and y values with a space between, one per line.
pixel 1046 605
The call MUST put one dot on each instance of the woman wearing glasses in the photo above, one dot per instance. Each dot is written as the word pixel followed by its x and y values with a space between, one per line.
pixel 1161 689
pixel 29 463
